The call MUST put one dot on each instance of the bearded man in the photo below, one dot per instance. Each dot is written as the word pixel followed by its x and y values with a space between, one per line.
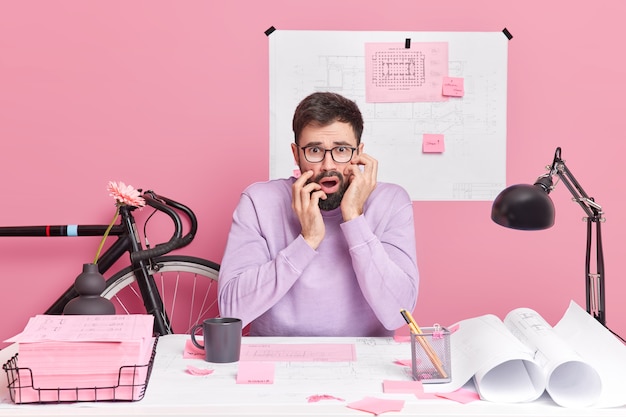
pixel 330 253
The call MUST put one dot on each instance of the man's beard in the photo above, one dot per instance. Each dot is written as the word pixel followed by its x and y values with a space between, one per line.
pixel 333 200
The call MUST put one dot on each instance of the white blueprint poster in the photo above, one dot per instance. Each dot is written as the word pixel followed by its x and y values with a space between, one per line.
pixel 472 165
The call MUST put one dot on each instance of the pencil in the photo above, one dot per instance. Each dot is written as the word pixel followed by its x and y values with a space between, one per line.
pixel 405 315
pixel 419 331
pixel 428 349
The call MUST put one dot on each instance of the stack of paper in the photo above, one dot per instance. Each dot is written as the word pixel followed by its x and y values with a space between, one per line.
pixel 83 358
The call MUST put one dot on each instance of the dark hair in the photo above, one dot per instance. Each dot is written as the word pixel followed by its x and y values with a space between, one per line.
pixel 322 109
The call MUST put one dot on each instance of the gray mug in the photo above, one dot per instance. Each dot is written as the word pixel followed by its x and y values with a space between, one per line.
pixel 222 339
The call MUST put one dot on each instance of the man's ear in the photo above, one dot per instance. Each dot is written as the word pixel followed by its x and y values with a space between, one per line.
pixel 296 154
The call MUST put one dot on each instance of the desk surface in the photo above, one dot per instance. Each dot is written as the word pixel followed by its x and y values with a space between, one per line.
pixel 173 391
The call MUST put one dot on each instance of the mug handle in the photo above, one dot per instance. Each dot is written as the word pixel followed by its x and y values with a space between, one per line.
pixel 193 336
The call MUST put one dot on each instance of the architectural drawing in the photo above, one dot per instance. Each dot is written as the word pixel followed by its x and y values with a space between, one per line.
pixel 473 165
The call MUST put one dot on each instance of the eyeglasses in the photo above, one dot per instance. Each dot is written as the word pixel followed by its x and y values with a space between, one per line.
pixel 340 154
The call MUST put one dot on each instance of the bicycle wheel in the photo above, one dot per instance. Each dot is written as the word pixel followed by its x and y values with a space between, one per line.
pixel 187 285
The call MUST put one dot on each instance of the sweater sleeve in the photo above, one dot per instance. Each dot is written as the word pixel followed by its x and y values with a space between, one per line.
pixel 384 260
pixel 252 279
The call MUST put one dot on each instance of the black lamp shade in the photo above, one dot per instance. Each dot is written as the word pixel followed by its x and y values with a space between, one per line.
pixel 523 207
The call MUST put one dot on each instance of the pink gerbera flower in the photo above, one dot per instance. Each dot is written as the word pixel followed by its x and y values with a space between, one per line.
pixel 124 195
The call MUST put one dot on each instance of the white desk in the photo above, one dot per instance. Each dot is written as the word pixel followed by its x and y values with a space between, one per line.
pixel 174 392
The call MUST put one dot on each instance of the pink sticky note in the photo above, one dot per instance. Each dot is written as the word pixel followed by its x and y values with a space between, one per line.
pixel 462 395
pixel 198 371
pixel 432 143
pixel 402 387
pixel 376 405
pixel 453 87
pixel 403 362
pixel 408 387
pixel 315 352
pixel 402 338
pixel 402 335
pixel 255 373
pixel 191 351
pixel 319 397
pixel 454 328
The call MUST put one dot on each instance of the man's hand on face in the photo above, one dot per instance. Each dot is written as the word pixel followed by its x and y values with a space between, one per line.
pixel 362 182
pixel 305 203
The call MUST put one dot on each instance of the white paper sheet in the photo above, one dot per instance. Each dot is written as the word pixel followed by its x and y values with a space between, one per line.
pixel 579 363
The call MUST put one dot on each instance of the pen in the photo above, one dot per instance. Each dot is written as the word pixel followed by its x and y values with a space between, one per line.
pixel 419 331
pixel 428 349
pixel 405 315
pixel 413 322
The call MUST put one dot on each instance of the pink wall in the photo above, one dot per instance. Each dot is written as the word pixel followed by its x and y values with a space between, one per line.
pixel 173 96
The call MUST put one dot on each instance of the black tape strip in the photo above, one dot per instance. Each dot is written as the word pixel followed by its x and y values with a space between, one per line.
pixel 507 33
pixel 407 43
pixel 270 30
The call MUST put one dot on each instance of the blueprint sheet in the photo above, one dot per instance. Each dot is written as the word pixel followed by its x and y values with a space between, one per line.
pixel 473 164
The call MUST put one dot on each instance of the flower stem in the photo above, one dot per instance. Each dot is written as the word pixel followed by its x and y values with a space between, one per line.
pixel 106 233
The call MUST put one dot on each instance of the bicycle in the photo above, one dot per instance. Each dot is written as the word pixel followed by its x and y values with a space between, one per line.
pixel 158 280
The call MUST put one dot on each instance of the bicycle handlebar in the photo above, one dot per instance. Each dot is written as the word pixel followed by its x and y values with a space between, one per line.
pixel 171 208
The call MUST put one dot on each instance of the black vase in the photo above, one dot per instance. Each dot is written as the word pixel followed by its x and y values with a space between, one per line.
pixel 89 285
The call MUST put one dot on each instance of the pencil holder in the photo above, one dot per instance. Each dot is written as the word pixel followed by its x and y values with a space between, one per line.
pixel 430 355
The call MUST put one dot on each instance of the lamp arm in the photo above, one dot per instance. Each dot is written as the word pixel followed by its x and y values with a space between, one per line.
pixel 588 204
pixel 594 282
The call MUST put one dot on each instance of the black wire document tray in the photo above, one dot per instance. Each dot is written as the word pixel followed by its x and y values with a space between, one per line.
pixel 131 384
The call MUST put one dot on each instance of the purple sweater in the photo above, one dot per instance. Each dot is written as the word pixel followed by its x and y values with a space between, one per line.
pixel 354 284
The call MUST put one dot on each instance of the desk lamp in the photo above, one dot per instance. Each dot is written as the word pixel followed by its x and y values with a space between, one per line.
pixel 528 207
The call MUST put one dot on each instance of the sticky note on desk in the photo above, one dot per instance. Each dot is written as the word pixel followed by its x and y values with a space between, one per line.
pixel 453 87
pixel 432 143
pixel 250 372
pixel 402 387
pixel 407 387
pixel 377 406
pixel 462 396
pixel 192 352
